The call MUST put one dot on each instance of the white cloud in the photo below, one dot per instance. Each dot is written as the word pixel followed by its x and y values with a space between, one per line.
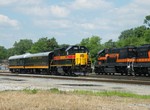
pixel 142 2
pixel 90 4
pixel 88 26
pixel 6 2
pixel 19 2
pixel 30 2
pixel 76 18
pixel 53 24
pixel 45 11
pixel 59 11
pixel 35 11
pixel 7 22
pixel 131 15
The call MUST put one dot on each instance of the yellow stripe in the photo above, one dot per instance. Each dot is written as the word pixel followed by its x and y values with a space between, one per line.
pixel 36 67
pixel 15 67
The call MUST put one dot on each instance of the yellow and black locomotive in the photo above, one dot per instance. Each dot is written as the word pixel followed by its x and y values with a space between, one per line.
pixel 71 60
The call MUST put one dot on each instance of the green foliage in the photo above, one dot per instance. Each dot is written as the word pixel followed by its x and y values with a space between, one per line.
pixel 22 46
pixel 30 91
pixel 3 53
pixel 112 93
pixel 126 34
pixel 135 36
pixel 110 44
pixel 147 36
pixel 134 32
pixel 147 20
pixel 57 91
pixel 134 41
pixel 93 44
pixel 54 90
pixel 64 45
pixel 11 52
pixel 44 45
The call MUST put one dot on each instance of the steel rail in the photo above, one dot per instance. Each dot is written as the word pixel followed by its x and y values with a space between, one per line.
pixel 125 81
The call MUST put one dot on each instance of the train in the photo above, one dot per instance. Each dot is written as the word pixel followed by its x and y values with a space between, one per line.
pixel 72 60
pixel 75 60
pixel 130 60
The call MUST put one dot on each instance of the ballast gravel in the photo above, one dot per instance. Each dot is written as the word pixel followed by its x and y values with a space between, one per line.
pixel 20 83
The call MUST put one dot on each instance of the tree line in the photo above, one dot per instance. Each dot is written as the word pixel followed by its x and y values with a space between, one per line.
pixel 134 36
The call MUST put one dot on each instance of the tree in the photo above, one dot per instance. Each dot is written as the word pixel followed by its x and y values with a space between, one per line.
pixel 44 45
pixel 64 45
pixel 52 44
pixel 109 44
pixel 23 46
pixel 93 44
pixel 147 20
pixel 134 36
pixel 3 53
pixel 139 31
pixel 147 36
pixel 10 52
pixel 131 41
pixel 126 34
pixel 134 32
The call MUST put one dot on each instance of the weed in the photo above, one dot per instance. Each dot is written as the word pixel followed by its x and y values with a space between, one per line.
pixel 112 93
pixel 54 90
pixel 30 91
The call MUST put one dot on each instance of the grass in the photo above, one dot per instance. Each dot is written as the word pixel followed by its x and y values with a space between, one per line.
pixel 55 99
pixel 91 93
pixel 30 91
pixel 102 93
pixel 112 93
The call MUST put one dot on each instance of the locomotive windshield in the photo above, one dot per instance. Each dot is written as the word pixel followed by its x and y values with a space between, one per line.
pixel 83 50
pixel 101 53
pixel 142 52
pixel 76 49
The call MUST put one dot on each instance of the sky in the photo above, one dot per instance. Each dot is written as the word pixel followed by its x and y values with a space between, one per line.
pixel 69 21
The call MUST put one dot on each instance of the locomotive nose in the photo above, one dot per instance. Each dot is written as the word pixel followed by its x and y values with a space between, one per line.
pixel 81 58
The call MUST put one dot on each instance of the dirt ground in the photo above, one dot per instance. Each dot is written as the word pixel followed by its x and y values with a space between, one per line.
pixel 44 100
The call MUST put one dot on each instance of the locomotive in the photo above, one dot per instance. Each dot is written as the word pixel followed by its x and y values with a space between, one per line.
pixel 128 60
pixel 72 60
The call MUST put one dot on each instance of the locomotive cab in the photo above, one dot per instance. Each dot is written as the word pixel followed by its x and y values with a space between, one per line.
pixel 100 62
pixel 142 65
pixel 72 60
pixel 126 60
pixel 82 62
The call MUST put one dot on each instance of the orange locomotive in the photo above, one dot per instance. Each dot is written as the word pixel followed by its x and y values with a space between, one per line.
pixel 142 65
pixel 128 60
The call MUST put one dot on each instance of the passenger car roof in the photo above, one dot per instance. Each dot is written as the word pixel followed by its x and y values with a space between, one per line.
pixel 27 55
pixel 38 54
pixel 18 56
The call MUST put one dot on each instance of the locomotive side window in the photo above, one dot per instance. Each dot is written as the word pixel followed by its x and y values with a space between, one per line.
pixel 142 52
pixel 131 52
pixel 59 52
pixel 123 53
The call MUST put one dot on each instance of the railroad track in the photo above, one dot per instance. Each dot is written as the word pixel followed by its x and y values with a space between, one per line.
pixel 99 78
pixel 141 78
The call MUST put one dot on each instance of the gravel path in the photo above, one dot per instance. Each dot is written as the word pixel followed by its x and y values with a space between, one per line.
pixel 17 83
